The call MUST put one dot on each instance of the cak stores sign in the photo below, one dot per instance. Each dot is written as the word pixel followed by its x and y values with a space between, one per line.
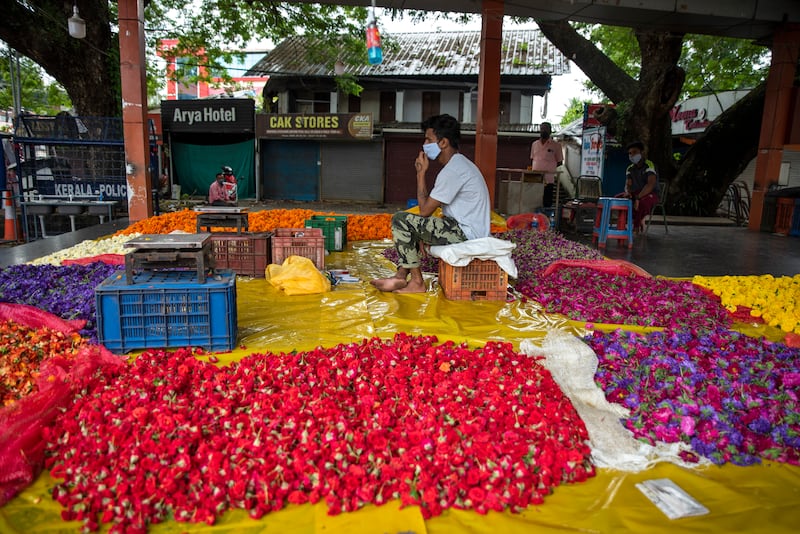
pixel 342 126
pixel 222 115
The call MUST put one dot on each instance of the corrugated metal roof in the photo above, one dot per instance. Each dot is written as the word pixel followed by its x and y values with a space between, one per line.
pixel 523 53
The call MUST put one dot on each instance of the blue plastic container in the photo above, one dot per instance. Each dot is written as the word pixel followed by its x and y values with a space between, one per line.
pixel 164 309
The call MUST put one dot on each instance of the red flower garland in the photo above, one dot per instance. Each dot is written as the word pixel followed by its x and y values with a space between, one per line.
pixel 435 425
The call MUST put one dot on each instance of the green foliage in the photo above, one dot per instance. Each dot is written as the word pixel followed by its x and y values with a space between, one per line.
pixel 574 111
pixel 38 95
pixel 211 32
pixel 715 64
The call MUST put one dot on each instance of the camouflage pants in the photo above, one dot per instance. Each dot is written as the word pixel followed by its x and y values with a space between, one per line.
pixel 409 230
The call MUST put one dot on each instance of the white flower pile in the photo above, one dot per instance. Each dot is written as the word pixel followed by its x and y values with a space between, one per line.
pixel 85 249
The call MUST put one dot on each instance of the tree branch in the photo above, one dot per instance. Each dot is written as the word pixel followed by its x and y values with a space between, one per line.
pixel 604 73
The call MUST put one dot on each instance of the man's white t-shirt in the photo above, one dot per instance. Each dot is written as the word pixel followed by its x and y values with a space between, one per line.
pixel 461 189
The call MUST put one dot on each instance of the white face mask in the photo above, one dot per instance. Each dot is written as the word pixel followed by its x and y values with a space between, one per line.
pixel 431 150
pixel 636 158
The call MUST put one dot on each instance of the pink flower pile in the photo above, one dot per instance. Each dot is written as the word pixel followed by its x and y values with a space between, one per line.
pixel 435 425
pixel 584 294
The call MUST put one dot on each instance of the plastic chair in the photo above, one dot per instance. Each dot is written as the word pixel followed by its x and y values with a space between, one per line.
pixel 588 188
pixel 662 201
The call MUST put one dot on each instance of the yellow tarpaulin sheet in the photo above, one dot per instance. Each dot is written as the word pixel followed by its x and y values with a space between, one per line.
pixel 756 499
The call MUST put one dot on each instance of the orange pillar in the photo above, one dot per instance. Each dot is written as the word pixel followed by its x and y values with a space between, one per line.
pixel 776 118
pixel 489 92
pixel 134 108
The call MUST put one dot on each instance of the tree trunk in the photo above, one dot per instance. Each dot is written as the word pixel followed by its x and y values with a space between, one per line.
pixel 646 117
pixel 643 106
pixel 80 65
pixel 717 158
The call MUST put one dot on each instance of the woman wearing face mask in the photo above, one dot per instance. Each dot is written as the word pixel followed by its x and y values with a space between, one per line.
pixel 641 184
pixel 459 190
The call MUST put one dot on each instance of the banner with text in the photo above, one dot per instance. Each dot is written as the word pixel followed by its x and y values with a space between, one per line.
pixel 224 115
pixel 342 126
pixel 593 151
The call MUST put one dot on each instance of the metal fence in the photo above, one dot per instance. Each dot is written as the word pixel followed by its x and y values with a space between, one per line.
pixel 65 156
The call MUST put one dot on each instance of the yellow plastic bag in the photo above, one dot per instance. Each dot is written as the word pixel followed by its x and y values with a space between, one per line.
pixel 297 276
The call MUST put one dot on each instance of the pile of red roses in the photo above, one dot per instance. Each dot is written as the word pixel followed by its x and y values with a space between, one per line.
pixel 437 425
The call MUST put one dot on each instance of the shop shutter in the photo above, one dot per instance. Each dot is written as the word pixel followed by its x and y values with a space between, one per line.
pixel 352 171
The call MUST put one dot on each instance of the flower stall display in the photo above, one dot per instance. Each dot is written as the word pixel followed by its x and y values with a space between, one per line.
pixel 731 397
pixel 536 250
pixel 64 291
pixel 584 294
pixel 85 249
pixel 359 227
pixel 22 350
pixel 776 300
pixel 437 425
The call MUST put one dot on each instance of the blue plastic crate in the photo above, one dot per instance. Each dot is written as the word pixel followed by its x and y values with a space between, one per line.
pixel 167 309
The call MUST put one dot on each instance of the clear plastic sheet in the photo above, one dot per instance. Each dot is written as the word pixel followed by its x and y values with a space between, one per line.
pixel 740 499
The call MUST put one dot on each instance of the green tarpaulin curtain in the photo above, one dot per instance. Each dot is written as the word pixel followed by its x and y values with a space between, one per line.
pixel 197 165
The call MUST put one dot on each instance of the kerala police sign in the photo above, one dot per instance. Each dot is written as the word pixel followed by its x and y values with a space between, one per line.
pixel 223 115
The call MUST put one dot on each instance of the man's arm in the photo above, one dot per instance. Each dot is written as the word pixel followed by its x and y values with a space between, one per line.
pixel 427 205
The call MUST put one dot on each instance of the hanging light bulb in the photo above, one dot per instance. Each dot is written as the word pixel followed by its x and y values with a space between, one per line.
pixel 77 26
pixel 338 67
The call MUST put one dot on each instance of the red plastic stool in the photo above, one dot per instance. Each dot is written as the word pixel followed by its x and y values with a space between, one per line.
pixel 623 226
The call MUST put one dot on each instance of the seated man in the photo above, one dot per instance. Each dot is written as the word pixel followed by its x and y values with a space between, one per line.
pixel 641 184
pixel 459 190
pixel 231 185
pixel 217 194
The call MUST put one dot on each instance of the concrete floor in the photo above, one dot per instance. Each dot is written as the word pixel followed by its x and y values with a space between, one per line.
pixel 710 250
pixel 689 248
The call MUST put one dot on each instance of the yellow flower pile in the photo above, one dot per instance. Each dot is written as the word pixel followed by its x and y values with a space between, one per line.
pixel 775 300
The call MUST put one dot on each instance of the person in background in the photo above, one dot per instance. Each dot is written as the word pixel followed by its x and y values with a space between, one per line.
pixel 230 183
pixel 460 190
pixel 641 184
pixel 546 156
pixel 217 194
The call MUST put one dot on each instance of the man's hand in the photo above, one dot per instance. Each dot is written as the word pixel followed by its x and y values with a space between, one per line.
pixel 421 163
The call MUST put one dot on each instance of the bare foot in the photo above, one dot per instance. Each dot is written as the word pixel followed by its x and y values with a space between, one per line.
pixel 389 284
pixel 413 287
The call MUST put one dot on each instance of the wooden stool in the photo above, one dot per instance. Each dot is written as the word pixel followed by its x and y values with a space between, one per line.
pixel 623 228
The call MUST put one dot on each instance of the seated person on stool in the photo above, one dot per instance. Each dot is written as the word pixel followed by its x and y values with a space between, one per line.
pixel 461 192
pixel 641 184
pixel 546 156
pixel 218 194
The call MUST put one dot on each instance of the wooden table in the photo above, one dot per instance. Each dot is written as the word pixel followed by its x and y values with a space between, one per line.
pixel 222 217
pixel 169 251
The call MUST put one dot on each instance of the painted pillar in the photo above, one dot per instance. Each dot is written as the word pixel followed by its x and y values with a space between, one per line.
pixel 489 92
pixel 777 117
pixel 134 108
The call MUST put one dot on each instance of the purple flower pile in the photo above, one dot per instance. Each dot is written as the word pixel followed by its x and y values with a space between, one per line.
pixel 65 291
pixel 731 397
